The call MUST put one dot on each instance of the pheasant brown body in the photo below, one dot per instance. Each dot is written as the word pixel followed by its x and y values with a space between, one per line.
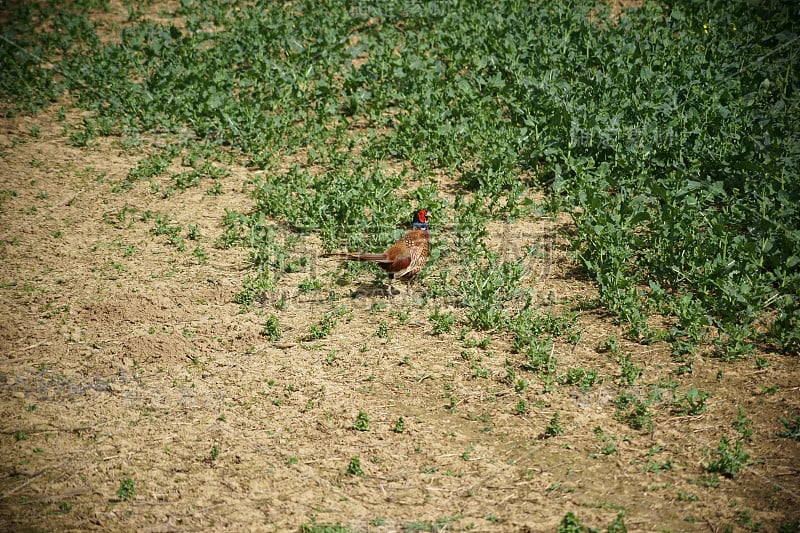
pixel 406 257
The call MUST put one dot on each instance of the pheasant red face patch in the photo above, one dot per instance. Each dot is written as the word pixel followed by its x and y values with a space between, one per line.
pixel 422 215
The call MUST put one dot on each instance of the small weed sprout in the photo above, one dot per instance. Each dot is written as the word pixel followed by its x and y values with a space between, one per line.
pixel 324 327
pixel 618 524
pixel 792 430
pixel 442 322
pixel 571 524
pixel 742 425
pixel 553 428
pixel 692 403
pixel 383 330
pixel 126 489
pixel 629 371
pixel 744 519
pixel 634 412
pixel 607 442
pixel 728 458
pixel 466 455
pixel 310 285
pixel 362 422
pixel 579 376
pixel 271 329
pixel 522 407
pixel 354 468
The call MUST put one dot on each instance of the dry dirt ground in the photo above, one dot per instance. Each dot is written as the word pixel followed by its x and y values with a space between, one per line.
pixel 123 357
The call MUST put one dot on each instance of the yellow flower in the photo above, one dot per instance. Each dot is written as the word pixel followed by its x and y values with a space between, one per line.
pixel 705 28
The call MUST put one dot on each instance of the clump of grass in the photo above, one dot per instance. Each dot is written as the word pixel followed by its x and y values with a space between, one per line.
pixel 618 524
pixel 310 285
pixel 485 285
pixel 539 357
pixel 742 425
pixel 571 524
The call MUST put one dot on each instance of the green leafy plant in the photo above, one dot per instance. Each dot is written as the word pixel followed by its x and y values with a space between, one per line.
pixel 354 467
pixel 629 371
pixel 608 445
pixel 271 329
pixel 539 357
pixel 383 330
pixel 579 376
pixel 571 524
pixel 728 458
pixel 362 422
pixel 792 428
pixel 323 328
pixel 634 412
pixel 742 424
pixel 553 428
pixel 310 285
pixel 618 524
pixel 442 322
pixel 126 489
pixel 693 402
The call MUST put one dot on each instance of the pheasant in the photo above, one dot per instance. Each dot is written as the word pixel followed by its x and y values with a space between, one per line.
pixel 404 258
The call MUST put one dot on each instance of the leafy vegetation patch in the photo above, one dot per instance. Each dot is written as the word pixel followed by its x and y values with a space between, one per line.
pixel 673 145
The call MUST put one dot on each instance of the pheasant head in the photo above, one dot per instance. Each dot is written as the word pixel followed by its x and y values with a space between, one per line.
pixel 420 220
